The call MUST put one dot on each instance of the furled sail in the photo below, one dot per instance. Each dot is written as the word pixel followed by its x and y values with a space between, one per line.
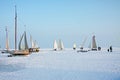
pixel 7 39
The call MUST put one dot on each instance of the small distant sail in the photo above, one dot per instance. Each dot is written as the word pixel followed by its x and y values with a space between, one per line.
pixel 93 46
pixel 62 45
pixel 24 45
pixel 32 43
pixel 35 44
pixel 58 45
pixel 55 45
pixel 83 43
pixel 74 46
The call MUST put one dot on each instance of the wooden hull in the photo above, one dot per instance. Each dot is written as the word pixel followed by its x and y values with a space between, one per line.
pixel 19 52
pixel 34 50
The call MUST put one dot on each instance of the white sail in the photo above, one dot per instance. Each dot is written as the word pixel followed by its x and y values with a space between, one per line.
pixel 60 45
pixel 33 43
pixel 74 46
pixel 83 43
pixel 34 46
pixel 55 47
pixel 93 45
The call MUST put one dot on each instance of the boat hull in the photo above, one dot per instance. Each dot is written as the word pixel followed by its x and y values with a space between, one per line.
pixel 19 52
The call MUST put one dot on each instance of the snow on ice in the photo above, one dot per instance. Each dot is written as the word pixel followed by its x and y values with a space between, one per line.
pixel 62 65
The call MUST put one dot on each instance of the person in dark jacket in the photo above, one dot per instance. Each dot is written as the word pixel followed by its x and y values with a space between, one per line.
pixel 110 48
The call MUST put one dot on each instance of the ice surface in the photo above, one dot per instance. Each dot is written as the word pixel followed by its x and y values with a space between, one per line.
pixel 62 65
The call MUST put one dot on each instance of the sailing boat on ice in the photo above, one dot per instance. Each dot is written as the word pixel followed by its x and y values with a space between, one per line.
pixel 74 46
pixel 34 46
pixel 93 45
pixel 55 46
pixel 23 48
pixel 58 45
pixel 82 46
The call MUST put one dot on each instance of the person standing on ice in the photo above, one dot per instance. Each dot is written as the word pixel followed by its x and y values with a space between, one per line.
pixel 110 48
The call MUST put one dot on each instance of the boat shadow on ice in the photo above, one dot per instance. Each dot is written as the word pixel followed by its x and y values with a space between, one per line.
pixel 11 67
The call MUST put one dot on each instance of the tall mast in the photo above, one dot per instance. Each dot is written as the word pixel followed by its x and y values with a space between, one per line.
pixel 15 28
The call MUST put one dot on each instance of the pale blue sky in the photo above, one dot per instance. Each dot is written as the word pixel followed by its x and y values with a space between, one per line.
pixel 68 20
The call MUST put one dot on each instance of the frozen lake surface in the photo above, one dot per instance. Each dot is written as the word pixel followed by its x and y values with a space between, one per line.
pixel 62 65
